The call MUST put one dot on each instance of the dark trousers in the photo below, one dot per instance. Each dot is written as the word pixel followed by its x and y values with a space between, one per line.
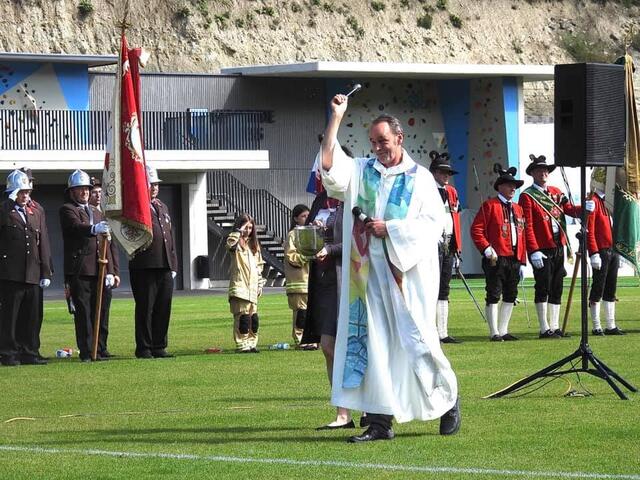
pixel 605 280
pixel 18 319
pixel 445 257
pixel 381 420
pixel 549 278
pixel 83 293
pixel 152 290
pixel 501 279
pixel 104 320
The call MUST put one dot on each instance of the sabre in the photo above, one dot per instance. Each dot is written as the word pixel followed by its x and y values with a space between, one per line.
pixel 466 285
pixel 526 305
pixel 356 88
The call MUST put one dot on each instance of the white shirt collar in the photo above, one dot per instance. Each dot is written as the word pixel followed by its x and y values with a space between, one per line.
pixel 538 187
pixel 502 199
pixel 406 164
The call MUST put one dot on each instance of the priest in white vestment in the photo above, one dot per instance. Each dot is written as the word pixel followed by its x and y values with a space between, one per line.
pixel 388 359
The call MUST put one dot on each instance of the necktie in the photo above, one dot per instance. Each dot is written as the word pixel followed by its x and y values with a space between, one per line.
pixel 22 213
pixel 443 194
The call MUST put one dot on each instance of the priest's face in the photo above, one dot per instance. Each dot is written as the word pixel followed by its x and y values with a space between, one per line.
pixel 507 190
pixel 540 175
pixel 386 145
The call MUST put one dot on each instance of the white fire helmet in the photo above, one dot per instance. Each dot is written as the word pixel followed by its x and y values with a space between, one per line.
pixel 152 175
pixel 79 178
pixel 17 181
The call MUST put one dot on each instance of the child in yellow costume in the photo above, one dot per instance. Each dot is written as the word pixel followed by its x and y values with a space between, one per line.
pixel 296 271
pixel 245 283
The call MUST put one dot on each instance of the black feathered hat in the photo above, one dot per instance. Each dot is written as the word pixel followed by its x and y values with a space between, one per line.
pixel 540 161
pixel 506 176
pixel 440 161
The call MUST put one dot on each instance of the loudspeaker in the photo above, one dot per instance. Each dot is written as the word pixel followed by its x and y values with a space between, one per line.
pixel 203 266
pixel 589 115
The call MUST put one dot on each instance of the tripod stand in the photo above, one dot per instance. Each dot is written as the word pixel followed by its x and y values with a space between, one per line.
pixel 588 363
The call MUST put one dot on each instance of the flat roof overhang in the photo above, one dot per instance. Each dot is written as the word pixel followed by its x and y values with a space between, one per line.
pixel 428 71
pixel 78 59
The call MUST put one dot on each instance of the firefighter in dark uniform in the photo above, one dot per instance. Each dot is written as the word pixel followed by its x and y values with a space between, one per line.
pixel 36 206
pixel 498 233
pixel 24 269
pixel 95 199
pixel 152 272
pixel 450 246
pixel 82 224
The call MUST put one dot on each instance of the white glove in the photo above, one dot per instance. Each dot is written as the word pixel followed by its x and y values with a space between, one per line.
pixel 102 227
pixel 537 259
pixel 589 205
pixel 45 282
pixel 521 273
pixel 173 274
pixel 109 281
pixel 489 252
pixel 596 261
pixel 456 261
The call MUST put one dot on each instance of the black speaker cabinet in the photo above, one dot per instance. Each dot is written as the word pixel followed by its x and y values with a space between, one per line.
pixel 203 266
pixel 589 115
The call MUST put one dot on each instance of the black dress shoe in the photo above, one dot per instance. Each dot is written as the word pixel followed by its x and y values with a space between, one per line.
pixel 254 350
pixel 33 361
pixel 349 424
pixel 558 333
pixel 144 354
pixel 449 339
pixel 598 332
pixel 106 354
pixel 374 432
pixel 450 421
pixel 507 337
pixel 9 362
pixel 496 338
pixel 548 334
pixel 613 331
pixel 161 354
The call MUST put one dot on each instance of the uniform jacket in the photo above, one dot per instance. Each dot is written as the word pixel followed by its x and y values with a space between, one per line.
pixel 245 271
pixel 454 206
pixel 491 227
pixel 162 251
pixel 599 233
pixel 538 227
pixel 296 267
pixel 25 252
pixel 80 245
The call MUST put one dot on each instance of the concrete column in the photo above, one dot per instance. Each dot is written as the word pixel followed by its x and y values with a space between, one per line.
pixel 194 230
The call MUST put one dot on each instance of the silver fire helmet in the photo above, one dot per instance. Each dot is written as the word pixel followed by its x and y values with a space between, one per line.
pixel 152 175
pixel 79 178
pixel 17 181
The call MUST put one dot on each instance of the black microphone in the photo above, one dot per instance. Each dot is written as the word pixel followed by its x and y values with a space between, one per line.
pixel 357 212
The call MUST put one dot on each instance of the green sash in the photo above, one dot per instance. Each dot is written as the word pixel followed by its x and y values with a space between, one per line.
pixel 552 209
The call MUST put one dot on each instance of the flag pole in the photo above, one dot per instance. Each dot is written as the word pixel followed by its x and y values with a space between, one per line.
pixel 102 265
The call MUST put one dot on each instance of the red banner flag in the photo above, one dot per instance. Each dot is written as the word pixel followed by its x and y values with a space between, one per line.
pixel 126 192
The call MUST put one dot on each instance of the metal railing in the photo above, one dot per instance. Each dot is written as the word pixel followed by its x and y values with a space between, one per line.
pixel 266 209
pixel 88 130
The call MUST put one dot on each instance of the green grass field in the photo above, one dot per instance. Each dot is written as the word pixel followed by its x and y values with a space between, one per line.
pixel 253 416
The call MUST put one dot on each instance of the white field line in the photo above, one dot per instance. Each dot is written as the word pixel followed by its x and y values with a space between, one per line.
pixel 320 463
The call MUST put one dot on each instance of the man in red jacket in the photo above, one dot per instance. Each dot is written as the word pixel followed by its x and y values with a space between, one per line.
pixel 603 258
pixel 498 233
pixel 450 246
pixel 544 209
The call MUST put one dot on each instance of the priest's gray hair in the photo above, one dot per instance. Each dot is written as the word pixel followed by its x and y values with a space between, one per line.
pixel 394 123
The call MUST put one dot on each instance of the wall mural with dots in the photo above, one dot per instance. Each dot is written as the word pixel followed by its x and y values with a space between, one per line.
pixel 28 88
pixel 414 102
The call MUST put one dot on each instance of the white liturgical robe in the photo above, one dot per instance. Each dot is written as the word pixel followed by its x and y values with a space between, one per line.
pixel 407 374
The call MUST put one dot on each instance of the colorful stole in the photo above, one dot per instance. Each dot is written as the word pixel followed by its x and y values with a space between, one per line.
pixel 553 210
pixel 397 208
